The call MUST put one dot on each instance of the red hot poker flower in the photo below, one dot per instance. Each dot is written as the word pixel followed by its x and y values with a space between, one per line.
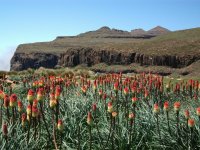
pixel 13 100
pixel 146 93
pixel 116 86
pixel 35 102
pixel 110 107
pixel 166 106
pixel 24 118
pixel 30 96
pixel 187 114
pixel 134 100
pixel 156 109
pixel 52 96
pixel 40 95
pixel 28 110
pixel 60 125
pixel 114 114
pixel 126 90
pixel 198 111
pixel 191 123
pixel 131 116
pixel 94 107
pixel 84 89
pixel 104 96
pixel 6 101
pixel 89 118
pixel 100 92
pixel 1 94
pixel 19 105
pixel 35 111
pixel 58 89
pixel 177 106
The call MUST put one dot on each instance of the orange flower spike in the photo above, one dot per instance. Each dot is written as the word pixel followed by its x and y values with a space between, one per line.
pixel 191 123
pixel 134 100
pixel 6 101
pixel 116 86
pixel 41 83
pixel 60 125
pixel 28 110
pixel 104 96
pixel 57 95
pixel 52 96
pixel 146 93
pixel 20 106
pixel 95 86
pixel 1 94
pixel 156 109
pixel 198 111
pixel 23 119
pixel 89 118
pixel 177 106
pixel 94 107
pixel 126 90
pixel 166 106
pixel 53 103
pixel 114 114
pixel 131 116
pixel 110 107
pixel 40 95
pixel 100 92
pixel 30 96
pixel 13 100
pixel 35 102
pixel 84 89
pixel 35 111
pixel 58 89
pixel 187 114
pixel 34 84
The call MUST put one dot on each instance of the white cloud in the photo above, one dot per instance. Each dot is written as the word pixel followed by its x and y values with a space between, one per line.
pixel 5 57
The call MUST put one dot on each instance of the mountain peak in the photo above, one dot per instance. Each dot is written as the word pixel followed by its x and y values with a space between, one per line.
pixel 104 28
pixel 138 32
pixel 158 30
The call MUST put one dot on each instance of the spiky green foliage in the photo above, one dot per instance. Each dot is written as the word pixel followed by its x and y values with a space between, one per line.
pixel 74 106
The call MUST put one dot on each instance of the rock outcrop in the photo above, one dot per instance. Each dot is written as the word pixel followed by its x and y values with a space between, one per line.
pixel 72 51
pixel 89 56
pixel 22 61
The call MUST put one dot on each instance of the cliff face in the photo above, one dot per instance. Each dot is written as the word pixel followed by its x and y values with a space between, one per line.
pixel 89 56
pixel 22 61
pixel 175 49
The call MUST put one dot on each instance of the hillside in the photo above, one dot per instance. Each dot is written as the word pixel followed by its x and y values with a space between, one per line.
pixel 111 46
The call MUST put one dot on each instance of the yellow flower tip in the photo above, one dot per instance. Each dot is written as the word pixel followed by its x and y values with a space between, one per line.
pixel 156 109
pixel 89 118
pixel 114 114
pixel 60 125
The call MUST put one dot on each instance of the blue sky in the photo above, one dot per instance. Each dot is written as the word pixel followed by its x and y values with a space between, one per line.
pixel 26 21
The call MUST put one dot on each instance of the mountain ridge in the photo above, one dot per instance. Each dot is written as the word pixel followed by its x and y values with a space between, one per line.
pixel 105 31
pixel 177 49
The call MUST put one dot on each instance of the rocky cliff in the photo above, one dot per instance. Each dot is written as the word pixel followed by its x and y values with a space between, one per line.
pixel 166 50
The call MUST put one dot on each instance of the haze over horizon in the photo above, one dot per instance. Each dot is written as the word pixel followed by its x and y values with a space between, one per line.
pixel 35 21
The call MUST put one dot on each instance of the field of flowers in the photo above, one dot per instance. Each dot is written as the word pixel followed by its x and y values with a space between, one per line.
pixel 111 111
